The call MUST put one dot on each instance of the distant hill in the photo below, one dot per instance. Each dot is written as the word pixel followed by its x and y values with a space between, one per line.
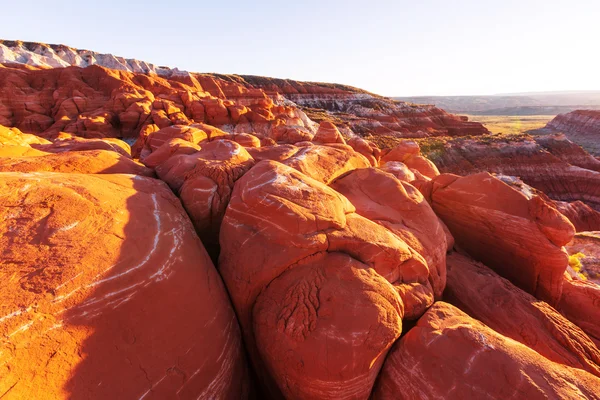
pixel 549 103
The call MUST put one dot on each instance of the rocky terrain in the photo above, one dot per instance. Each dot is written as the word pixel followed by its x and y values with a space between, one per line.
pixel 194 236
pixel 542 103
pixel 107 96
pixel 580 126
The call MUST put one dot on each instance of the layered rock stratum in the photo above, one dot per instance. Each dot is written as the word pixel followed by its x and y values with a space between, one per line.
pixel 581 126
pixel 167 234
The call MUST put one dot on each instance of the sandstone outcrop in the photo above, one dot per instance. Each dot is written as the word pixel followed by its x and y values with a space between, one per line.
pixel 579 303
pixel 511 312
pixel 47 89
pixel 83 162
pixel 331 234
pixel 581 126
pixel 126 302
pixel 553 165
pixel 282 227
pixel 518 234
pixel 450 355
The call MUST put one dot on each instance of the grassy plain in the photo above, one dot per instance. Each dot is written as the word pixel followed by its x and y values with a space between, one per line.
pixel 512 124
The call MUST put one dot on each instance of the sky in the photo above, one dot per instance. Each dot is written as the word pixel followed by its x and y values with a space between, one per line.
pixel 391 47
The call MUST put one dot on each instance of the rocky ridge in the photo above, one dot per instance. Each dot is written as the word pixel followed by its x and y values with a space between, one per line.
pixel 581 126
pixel 127 96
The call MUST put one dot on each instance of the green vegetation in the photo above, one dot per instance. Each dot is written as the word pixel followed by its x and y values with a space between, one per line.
pixel 511 125
pixel 432 147
pixel 575 263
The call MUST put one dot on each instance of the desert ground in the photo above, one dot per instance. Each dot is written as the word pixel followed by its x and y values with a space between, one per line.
pixel 512 124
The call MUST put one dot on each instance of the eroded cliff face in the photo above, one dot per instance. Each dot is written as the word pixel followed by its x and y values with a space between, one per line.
pixel 552 164
pixel 248 246
pixel 581 126
pixel 108 96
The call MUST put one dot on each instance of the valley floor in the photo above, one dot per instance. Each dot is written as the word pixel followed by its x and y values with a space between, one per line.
pixel 512 124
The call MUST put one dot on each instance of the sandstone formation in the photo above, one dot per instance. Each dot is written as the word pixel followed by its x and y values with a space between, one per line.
pixel 281 227
pixel 106 289
pixel 335 240
pixel 47 89
pixel 579 303
pixel 83 162
pixel 581 126
pixel 452 356
pixel 518 234
pixel 511 312
pixel 553 165
pixel 521 236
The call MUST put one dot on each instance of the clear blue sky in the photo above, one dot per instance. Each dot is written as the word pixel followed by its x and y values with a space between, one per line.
pixel 392 47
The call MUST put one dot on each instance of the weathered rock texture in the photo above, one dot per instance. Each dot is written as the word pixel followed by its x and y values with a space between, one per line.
pixel 327 231
pixel 100 95
pixel 453 356
pixel 521 236
pixel 551 164
pixel 508 310
pixel 107 292
pixel 289 242
pixel 518 234
pixel 581 126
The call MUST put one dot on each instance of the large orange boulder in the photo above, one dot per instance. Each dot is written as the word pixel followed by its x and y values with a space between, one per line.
pixel 107 292
pixel 401 209
pixel 330 305
pixel 75 143
pixel 450 355
pixel 328 133
pixel 408 152
pixel 517 233
pixel 83 162
pixel 281 228
pixel 326 163
pixel 154 140
pixel 204 180
pixel 399 170
pixel 366 148
pixel 508 310
pixel 580 303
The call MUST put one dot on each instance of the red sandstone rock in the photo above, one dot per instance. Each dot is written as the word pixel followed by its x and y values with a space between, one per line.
pixel 82 162
pixel 366 148
pixel 401 152
pixel 331 305
pixel 579 303
pixel 516 233
pixel 580 126
pixel 553 164
pixel 399 170
pixel 204 180
pixel 401 208
pixel 583 217
pixel 452 356
pixel 326 163
pixel 126 303
pixel 511 312
pixel 74 143
pixel 328 133
pixel 278 220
